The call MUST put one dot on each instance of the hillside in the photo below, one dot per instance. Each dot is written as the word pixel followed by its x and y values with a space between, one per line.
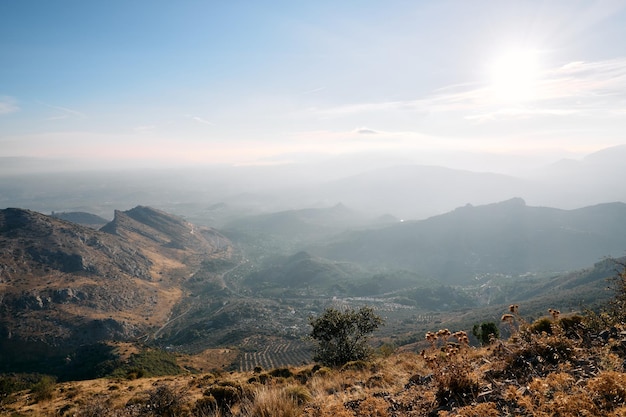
pixel 64 285
pixel 304 224
pixel 507 237
pixel 82 218
pixel 558 365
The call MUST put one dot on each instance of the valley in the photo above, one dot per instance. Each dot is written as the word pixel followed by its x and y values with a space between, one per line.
pixel 226 265
pixel 155 280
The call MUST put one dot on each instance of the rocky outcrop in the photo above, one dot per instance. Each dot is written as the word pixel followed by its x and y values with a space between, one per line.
pixel 64 285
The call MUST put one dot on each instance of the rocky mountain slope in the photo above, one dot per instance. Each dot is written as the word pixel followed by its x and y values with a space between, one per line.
pixel 63 285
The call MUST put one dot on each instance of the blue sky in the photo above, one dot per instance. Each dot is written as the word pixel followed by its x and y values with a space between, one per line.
pixel 246 82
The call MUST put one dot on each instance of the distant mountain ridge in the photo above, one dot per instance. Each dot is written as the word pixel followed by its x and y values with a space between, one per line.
pixel 506 236
pixel 305 224
pixel 82 218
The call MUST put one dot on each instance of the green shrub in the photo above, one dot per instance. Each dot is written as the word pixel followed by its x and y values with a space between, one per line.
pixel 486 332
pixel 342 335
pixel 147 363
pixel 541 325
pixel 44 389
pixel 14 383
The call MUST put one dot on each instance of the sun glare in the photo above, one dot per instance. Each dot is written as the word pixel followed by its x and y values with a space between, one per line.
pixel 514 75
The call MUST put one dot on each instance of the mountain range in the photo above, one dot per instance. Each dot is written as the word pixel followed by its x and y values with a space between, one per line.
pixel 375 187
pixel 510 236
pixel 151 277
pixel 64 285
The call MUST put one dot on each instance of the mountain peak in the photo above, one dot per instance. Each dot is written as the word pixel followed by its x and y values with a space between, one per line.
pixel 513 202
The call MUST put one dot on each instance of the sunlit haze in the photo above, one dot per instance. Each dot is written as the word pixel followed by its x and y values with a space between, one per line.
pixel 204 82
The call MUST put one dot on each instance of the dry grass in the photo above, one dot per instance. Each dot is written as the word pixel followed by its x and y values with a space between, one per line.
pixel 532 374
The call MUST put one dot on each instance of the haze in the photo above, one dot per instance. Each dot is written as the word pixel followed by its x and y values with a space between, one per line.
pixel 286 105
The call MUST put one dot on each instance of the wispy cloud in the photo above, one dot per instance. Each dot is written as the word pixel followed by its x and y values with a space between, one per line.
pixel 574 88
pixel 365 131
pixel 8 105
pixel 200 120
pixel 577 88
pixel 315 90
pixel 65 112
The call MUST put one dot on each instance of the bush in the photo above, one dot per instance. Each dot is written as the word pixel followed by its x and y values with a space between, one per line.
pixel 272 402
pixel 486 332
pixel 281 372
pixel 44 389
pixel 342 336
pixel 542 325
pixel 452 370
pixel 16 382
pixel 614 312
pixel 298 393
pixel 149 362
pixel 228 393
pixel 164 401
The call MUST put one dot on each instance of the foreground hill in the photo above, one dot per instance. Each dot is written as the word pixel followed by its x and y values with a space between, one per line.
pixel 508 237
pixel 559 365
pixel 64 285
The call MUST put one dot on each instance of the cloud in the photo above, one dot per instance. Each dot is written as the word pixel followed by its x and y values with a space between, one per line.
pixel 315 90
pixel 574 88
pixel 65 112
pixel 520 113
pixel 199 120
pixel 8 105
pixel 365 131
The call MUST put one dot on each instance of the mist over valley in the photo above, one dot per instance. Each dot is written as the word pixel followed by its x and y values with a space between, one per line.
pixel 220 247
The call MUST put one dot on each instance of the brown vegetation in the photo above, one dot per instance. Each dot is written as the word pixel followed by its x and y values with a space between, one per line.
pixel 569 371
pixel 558 365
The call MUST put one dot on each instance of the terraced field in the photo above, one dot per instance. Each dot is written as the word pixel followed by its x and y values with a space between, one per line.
pixel 275 355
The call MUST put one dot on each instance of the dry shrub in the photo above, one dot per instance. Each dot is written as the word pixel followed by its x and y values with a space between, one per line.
pixel 206 407
pixel 374 407
pixel 300 394
pixel 608 390
pixel 355 366
pixel 228 393
pixel 327 384
pixel 477 410
pixel 271 402
pixel 536 355
pixel 560 394
pixel 379 381
pixel 164 401
pixel 452 370
pixel 557 394
pixel 95 407
pixel 332 410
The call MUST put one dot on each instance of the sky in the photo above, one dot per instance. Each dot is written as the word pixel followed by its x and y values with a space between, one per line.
pixel 249 82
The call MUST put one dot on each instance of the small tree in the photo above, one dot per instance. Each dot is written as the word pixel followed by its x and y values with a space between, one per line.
pixel 485 332
pixel 342 335
pixel 617 305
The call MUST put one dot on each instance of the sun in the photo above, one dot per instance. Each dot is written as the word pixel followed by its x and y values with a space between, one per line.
pixel 514 75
